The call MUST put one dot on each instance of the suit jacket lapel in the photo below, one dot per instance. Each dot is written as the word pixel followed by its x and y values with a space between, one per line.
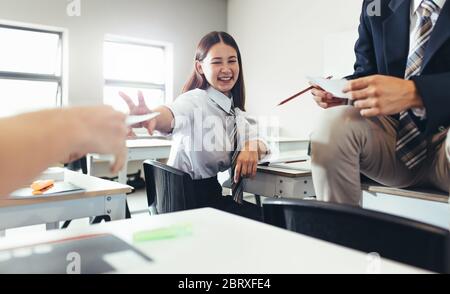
pixel 396 37
pixel 440 34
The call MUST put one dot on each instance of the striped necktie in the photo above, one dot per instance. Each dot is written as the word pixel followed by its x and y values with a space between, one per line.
pixel 411 146
pixel 237 188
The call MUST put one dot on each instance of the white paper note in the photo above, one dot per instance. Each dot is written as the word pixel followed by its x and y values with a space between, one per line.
pixel 135 119
pixel 334 87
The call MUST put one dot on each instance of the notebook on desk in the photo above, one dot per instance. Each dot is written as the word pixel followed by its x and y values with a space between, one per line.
pixel 58 189
pixel 91 254
pixel 286 157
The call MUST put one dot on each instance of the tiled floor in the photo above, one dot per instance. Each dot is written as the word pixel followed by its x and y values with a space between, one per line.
pixel 137 202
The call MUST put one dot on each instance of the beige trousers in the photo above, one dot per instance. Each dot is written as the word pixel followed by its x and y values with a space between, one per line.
pixel 345 145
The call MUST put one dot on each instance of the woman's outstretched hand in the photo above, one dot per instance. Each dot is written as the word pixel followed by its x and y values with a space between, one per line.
pixel 140 109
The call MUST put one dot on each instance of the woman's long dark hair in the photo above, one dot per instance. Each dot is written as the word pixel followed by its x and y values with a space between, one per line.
pixel 198 81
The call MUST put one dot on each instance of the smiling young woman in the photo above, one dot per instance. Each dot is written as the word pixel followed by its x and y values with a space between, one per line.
pixel 218 63
pixel 202 122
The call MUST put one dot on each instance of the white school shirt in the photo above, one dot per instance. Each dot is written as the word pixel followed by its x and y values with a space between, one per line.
pixel 202 133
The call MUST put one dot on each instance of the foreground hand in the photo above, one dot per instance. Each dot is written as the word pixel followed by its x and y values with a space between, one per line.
pixel 247 161
pixel 98 129
pixel 383 95
pixel 325 99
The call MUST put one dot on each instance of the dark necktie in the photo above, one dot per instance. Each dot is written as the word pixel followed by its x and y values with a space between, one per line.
pixel 411 146
pixel 237 189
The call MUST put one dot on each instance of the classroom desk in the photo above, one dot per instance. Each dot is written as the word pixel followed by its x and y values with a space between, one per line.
pixel 288 144
pixel 148 148
pixel 295 181
pixel 282 181
pixel 287 180
pixel 100 197
pixel 138 149
pixel 224 244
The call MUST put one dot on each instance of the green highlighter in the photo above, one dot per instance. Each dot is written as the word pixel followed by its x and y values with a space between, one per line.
pixel 171 232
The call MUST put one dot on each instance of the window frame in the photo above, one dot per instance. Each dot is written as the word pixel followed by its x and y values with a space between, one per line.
pixel 23 76
pixel 166 88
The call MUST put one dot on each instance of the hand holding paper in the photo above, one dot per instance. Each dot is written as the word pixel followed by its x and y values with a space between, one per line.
pixel 329 93
pixel 137 112
pixel 299 94
pixel 137 119
pixel 335 87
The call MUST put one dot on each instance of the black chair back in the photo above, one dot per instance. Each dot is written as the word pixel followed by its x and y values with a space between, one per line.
pixel 168 189
pixel 396 238
pixel 79 164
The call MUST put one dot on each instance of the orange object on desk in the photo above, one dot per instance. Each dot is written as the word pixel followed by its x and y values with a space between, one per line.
pixel 42 185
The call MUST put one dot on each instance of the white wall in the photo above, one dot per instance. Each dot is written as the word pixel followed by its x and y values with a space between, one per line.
pixel 181 22
pixel 282 42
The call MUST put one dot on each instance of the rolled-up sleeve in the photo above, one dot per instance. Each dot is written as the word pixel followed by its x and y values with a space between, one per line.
pixel 183 109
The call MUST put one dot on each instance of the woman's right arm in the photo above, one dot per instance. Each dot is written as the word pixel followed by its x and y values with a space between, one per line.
pixel 162 123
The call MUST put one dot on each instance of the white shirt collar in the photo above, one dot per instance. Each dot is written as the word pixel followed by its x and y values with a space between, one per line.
pixel 221 99
pixel 416 5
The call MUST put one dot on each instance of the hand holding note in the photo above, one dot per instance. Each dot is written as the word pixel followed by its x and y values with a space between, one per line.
pixel 335 87
pixel 133 120
pixel 299 94
pixel 139 113
pixel 329 93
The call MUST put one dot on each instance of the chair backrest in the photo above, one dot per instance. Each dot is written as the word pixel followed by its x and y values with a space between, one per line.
pixel 78 164
pixel 168 189
pixel 392 237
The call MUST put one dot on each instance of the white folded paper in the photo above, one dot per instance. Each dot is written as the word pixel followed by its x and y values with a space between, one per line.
pixel 135 119
pixel 334 87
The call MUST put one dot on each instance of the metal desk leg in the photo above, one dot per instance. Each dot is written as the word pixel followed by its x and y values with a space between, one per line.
pixel 115 207
pixel 90 164
pixel 123 180
pixel 123 173
pixel 258 200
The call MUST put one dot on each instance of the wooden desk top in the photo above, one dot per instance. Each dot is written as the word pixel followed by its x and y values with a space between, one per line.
pixel 424 194
pixel 290 170
pixel 93 186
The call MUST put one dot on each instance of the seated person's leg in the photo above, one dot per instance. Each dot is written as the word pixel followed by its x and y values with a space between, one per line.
pixel 345 145
pixel 438 173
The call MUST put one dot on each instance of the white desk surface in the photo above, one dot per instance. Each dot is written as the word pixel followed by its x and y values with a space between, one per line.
pixel 271 139
pixel 145 143
pixel 285 139
pixel 222 243
pixel 142 142
pixel 93 186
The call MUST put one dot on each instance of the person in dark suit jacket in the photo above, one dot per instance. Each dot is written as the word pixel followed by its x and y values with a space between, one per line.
pixel 396 129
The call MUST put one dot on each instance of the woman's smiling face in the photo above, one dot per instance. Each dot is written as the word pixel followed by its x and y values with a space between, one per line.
pixel 220 68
